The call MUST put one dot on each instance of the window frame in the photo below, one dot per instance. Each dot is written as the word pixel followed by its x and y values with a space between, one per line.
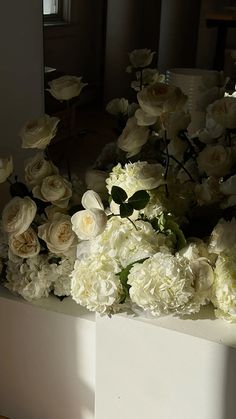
pixel 58 17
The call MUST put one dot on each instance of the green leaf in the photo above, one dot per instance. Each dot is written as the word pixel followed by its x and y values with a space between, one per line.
pixel 123 275
pixel 173 226
pixel 126 210
pixel 139 200
pixel 118 195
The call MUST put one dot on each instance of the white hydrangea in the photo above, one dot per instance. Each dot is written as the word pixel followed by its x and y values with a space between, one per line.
pixel 136 176
pixel 162 284
pixel 224 287
pixel 32 279
pixel 95 284
pixel 127 243
pixel 62 284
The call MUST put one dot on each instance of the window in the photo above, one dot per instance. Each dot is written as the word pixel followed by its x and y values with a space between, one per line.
pixel 52 10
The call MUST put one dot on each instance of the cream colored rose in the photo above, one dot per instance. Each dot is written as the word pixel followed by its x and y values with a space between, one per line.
pixel 159 98
pixel 6 168
pixel 51 210
pixel 54 189
pixel 132 138
pixel 211 133
pixel 91 199
pixel 118 106
pixel 58 235
pixel 144 119
pixel 215 160
pixel 66 87
pixel 141 57
pixel 96 180
pixel 24 245
pixel 38 133
pixel 18 214
pixel 88 224
pixel 37 168
pixel 223 111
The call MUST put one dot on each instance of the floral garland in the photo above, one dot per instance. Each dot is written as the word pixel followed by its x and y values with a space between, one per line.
pixel 155 232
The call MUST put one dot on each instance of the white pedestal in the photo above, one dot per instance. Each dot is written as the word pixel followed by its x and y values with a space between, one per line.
pixel 158 370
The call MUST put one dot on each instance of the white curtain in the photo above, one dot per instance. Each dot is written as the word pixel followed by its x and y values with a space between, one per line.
pixel 50 6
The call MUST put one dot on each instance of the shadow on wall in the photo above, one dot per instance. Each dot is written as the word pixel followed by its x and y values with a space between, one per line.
pixel 46 363
pixel 230 385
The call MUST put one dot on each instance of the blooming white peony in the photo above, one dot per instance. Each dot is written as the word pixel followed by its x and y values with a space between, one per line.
pixel 24 245
pixel 37 168
pixel 162 284
pixel 224 288
pixel 18 214
pixel 62 281
pixel 38 133
pixel 54 189
pixel 66 87
pixel 58 235
pixel 141 57
pixel 95 284
pixel 6 168
pixel 132 138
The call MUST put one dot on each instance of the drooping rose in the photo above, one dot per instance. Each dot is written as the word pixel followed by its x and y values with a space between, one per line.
pixel 66 87
pixel 37 168
pixel 24 245
pixel 58 235
pixel 141 57
pixel 118 106
pixel 18 214
pixel 132 138
pixel 54 189
pixel 38 133
pixel 6 168
pixel 159 98
pixel 89 223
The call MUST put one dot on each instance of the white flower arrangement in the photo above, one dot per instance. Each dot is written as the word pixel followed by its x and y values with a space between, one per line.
pixel 156 229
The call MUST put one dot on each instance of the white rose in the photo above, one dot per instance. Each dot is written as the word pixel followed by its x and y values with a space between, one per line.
pixel 208 192
pixel 211 132
pixel 54 189
pixel 223 237
pixel 132 138
pixel 38 133
pixel 144 119
pixel 91 199
pixel 96 180
pixel 215 160
pixel 159 98
pixel 58 235
pixel 18 214
pixel 66 87
pixel 89 223
pixel 24 245
pixel 223 111
pixel 141 57
pixel 118 106
pixel 37 168
pixel 6 168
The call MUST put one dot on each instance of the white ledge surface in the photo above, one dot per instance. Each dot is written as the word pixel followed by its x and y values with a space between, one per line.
pixel 203 325
pixel 67 306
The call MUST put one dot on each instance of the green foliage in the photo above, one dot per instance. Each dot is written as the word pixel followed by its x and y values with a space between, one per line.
pixel 123 275
pixel 126 210
pixel 118 195
pixel 137 201
pixel 167 225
